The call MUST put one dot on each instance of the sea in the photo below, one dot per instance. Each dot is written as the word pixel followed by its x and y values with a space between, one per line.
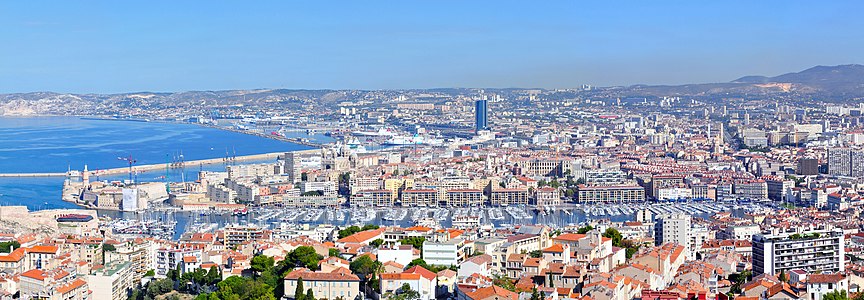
pixel 57 144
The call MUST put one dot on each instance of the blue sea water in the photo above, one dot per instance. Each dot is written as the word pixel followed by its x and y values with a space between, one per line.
pixel 55 144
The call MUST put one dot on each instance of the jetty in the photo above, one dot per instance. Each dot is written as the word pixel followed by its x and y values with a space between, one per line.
pixel 161 166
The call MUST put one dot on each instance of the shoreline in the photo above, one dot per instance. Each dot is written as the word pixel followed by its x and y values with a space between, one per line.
pixel 161 166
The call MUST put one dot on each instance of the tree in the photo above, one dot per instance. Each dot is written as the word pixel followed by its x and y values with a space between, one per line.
pixel 836 295
pixel 504 282
pixel 305 256
pixel 298 292
pixel 108 248
pixel 405 293
pixel 6 247
pixel 261 263
pixel 585 229
pixel 369 227
pixel 213 276
pixel 349 231
pixel 334 252
pixel 613 234
pixel 364 266
pixel 536 254
pixel 535 295
pixel 782 276
pixel 376 243
pixel 414 241
pixel 310 295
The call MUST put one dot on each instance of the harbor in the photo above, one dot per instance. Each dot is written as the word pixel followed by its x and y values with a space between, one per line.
pixel 153 222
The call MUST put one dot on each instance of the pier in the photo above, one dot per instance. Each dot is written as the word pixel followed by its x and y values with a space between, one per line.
pixel 155 167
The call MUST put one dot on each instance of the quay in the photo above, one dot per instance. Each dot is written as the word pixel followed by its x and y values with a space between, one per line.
pixel 161 166
pixel 21 175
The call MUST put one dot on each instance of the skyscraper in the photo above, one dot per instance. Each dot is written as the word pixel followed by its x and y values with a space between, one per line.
pixel 481 119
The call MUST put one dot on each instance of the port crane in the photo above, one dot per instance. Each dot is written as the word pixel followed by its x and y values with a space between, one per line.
pixel 131 161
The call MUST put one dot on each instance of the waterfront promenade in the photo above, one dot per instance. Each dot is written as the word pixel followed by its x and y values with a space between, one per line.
pixel 155 167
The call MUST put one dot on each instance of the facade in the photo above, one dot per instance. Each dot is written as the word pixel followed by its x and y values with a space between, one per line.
pixel 339 283
pixel 554 166
pixel 807 166
pixel 238 234
pixel 505 197
pixel 447 253
pixel 611 194
pixel 379 198
pixel 672 229
pixel 464 198
pixel 113 282
pixel 481 117
pixel 846 162
pixel 418 197
pixel 815 250
pixel 548 196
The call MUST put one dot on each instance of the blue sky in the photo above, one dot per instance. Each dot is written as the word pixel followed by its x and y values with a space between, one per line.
pixel 125 46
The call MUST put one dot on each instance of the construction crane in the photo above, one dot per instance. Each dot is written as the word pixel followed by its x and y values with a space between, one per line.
pixel 131 161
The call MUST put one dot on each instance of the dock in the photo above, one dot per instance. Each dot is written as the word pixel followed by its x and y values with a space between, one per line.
pixel 161 166
pixel 23 175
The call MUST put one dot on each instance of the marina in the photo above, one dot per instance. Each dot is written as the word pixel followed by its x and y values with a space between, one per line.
pixel 570 216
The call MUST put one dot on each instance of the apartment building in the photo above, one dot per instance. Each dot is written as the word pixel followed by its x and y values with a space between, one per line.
pixel 820 250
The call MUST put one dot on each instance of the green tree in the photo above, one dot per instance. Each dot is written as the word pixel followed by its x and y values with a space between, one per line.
pixel 310 295
pixel 305 256
pixel 298 292
pixel 782 276
pixel 349 231
pixel 414 241
pixel 6 247
pixel 613 234
pixel 376 243
pixel 535 295
pixel 364 266
pixel 585 229
pixel 404 293
pixel 536 254
pixel 504 282
pixel 836 295
pixel 334 252
pixel 213 276
pixel 369 227
pixel 262 263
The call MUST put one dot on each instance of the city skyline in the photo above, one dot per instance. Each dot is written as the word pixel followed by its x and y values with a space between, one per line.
pixel 110 47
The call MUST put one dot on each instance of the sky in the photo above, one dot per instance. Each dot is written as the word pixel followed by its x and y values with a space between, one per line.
pixel 164 46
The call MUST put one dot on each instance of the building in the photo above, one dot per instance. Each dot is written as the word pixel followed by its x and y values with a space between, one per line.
pixel 548 196
pixel 239 234
pixel 553 166
pixel 755 189
pixel 112 282
pixel 673 228
pixel 464 198
pixel 419 197
pixel 778 187
pixel 505 197
pixel 813 251
pixel 846 162
pixel 481 118
pixel 611 194
pixel 807 166
pixel 446 253
pixel 339 283
pixel 820 284
pixel 423 281
pixel 368 198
